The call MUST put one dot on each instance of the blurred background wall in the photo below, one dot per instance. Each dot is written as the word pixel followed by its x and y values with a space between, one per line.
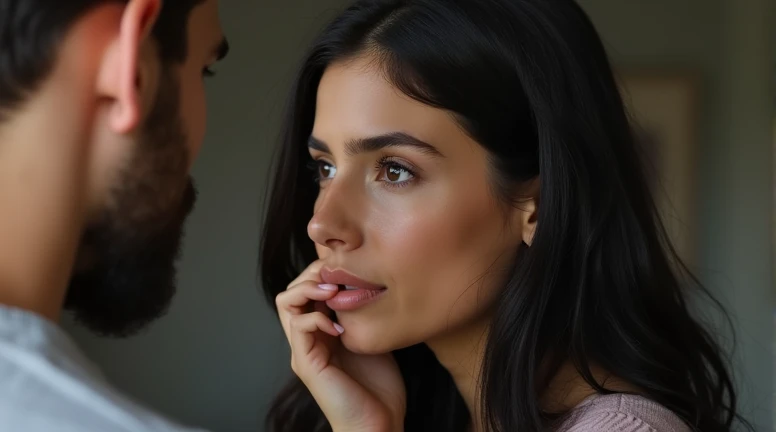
pixel 219 356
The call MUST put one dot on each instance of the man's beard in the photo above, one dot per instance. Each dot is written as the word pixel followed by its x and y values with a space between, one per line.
pixel 130 277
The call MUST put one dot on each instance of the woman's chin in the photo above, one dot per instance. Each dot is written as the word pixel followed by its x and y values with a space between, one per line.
pixel 373 336
pixel 362 343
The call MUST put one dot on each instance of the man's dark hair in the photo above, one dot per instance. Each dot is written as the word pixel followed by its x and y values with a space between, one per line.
pixel 31 32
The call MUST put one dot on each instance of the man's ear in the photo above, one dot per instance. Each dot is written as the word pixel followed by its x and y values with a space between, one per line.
pixel 527 211
pixel 123 73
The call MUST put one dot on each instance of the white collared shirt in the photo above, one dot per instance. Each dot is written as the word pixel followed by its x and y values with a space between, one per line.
pixel 48 385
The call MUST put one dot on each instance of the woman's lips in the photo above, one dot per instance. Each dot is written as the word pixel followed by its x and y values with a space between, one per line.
pixel 342 277
pixel 354 291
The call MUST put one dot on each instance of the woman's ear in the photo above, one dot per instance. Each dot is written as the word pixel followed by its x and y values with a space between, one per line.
pixel 527 210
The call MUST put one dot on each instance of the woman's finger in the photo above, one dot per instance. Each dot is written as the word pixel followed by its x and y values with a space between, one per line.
pixel 312 272
pixel 295 300
pixel 301 294
pixel 310 355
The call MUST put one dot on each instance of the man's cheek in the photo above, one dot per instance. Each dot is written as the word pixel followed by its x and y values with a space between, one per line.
pixel 194 117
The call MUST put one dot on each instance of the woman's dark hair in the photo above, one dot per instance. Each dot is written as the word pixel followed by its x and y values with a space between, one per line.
pixel 530 81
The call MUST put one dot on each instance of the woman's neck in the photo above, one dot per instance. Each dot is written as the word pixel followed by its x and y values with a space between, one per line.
pixel 461 354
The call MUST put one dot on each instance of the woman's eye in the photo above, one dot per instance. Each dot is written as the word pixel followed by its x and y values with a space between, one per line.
pixel 326 170
pixel 395 173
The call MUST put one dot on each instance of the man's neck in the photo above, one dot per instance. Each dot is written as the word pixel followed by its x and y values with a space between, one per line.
pixel 42 180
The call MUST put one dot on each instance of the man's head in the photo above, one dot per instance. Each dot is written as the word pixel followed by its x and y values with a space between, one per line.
pixel 121 82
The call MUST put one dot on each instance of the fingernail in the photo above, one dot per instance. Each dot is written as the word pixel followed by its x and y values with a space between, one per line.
pixel 339 328
pixel 328 287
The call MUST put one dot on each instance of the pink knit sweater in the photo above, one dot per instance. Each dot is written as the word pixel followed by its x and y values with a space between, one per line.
pixel 621 413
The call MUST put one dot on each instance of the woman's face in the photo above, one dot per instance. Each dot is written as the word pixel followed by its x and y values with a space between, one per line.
pixel 404 205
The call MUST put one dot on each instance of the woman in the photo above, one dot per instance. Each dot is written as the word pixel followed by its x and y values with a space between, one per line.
pixel 475 246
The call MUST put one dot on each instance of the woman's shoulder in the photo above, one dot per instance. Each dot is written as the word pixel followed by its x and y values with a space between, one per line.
pixel 621 413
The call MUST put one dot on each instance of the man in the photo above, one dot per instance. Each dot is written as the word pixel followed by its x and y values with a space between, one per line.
pixel 102 113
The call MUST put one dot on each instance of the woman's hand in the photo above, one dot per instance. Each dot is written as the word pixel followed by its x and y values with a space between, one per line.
pixel 356 392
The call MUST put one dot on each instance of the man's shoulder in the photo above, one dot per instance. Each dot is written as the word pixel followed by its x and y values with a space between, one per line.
pixel 47 384
pixel 53 416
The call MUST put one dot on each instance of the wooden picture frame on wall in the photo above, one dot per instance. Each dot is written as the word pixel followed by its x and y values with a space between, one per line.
pixel 664 109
